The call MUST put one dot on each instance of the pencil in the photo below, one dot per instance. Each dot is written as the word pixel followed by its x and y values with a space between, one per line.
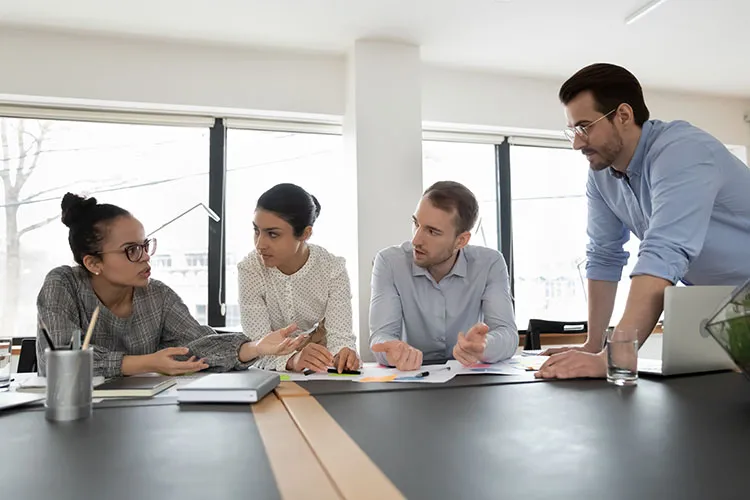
pixel 91 329
pixel 46 335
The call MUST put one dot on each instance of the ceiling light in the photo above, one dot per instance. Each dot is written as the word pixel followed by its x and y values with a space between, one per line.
pixel 643 11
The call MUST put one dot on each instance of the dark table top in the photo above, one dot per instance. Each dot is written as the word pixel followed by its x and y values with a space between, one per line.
pixel 139 452
pixel 685 438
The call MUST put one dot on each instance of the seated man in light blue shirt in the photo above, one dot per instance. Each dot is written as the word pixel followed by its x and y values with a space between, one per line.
pixel 436 297
pixel 677 188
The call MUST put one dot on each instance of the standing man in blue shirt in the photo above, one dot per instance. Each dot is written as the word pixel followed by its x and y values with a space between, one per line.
pixel 671 184
pixel 427 292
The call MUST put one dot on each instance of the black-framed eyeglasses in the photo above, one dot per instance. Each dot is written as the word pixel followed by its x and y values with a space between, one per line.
pixel 134 252
pixel 583 130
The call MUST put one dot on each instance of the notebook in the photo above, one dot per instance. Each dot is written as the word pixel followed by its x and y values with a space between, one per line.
pixel 133 387
pixel 122 387
pixel 249 386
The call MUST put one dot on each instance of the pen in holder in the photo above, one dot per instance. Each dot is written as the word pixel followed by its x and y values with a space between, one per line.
pixel 69 384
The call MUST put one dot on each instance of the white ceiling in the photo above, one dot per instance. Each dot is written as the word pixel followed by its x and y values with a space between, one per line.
pixel 691 45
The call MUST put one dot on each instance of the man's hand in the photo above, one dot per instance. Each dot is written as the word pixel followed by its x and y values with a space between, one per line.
pixel 469 348
pixel 346 359
pixel 312 356
pixel 574 364
pixel 587 347
pixel 400 354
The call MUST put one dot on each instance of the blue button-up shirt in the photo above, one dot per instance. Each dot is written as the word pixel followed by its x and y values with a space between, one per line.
pixel 686 197
pixel 408 304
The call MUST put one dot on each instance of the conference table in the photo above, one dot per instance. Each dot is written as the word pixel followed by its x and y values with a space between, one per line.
pixel 479 436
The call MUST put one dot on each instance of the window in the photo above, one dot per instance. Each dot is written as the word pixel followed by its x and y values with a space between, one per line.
pixel 473 165
pixel 197 260
pixel 155 172
pixel 201 314
pixel 257 161
pixel 233 315
pixel 161 261
pixel 740 152
pixel 549 209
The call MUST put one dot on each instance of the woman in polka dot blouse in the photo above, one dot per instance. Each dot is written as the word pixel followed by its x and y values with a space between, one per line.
pixel 286 281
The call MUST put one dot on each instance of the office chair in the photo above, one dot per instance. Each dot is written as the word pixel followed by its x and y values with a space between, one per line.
pixel 539 326
pixel 27 358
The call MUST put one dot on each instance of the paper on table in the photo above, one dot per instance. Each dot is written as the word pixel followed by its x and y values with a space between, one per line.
pixel 515 366
pixel 501 368
pixel 299 377
pixel 372 372
pixel 33 383
pixel 437 374
pixel 532 363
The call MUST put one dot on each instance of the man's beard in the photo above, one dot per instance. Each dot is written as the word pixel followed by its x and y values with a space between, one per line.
pixel 607 154
pixel 443 257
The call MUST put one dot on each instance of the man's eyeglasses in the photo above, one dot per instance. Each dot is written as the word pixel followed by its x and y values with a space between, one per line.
pixel 134 252
pixel 583 130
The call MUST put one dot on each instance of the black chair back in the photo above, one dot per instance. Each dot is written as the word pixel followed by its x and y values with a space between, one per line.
pixel 27 358
pixel 539 326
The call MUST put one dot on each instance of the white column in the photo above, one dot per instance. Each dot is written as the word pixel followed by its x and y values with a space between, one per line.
pixel 383 135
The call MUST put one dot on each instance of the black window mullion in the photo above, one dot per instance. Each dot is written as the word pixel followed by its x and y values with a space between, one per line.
pixel 217 230
pixel 504 208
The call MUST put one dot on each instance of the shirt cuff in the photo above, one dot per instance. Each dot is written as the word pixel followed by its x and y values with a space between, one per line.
pixel 668 266
pixel 501 344
pixel 602 272
pixel 108 364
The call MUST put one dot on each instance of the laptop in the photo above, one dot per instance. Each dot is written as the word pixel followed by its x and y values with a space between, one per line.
pixel 685 347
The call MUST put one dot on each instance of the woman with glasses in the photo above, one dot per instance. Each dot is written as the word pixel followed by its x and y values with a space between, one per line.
pixel 143 326
pixel 288 280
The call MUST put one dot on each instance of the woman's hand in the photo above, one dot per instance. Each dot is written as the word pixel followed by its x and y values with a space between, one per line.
pixel 163 362
pixel 346 359
pixel 313 356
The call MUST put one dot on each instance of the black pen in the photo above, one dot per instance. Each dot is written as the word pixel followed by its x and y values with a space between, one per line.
pixel 344 372
pixel 422 375
pixel 46 336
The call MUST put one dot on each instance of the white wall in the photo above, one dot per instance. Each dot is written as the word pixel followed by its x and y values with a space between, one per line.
pixel 384 88
pixel 68 66
pixel 71 66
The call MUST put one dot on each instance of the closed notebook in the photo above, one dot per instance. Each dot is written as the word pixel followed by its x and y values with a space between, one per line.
pixel 133 387
pixel 247 386
pixel 123 387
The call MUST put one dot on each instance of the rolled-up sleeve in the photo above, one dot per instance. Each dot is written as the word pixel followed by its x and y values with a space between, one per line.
pixel 386 316
pixel 220 350
pixel 607 236
pixel 684 186
pixel 497 312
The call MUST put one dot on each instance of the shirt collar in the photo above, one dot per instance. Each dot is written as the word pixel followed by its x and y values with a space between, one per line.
pixel 459 267
pixel 636 163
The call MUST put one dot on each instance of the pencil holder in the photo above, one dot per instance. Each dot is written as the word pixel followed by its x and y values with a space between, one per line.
pixel 69 384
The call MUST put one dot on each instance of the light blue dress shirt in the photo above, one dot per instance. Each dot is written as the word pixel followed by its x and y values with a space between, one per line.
pixel 408 304
pixel 687 198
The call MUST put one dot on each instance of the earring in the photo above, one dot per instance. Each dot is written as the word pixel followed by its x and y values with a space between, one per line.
pixel 97 273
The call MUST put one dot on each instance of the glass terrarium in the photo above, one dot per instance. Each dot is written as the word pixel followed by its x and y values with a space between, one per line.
pixel 730 326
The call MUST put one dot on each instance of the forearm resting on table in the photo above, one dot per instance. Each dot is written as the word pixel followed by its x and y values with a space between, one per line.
pixel 645 305
pixel 133 365
pixel 601 304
